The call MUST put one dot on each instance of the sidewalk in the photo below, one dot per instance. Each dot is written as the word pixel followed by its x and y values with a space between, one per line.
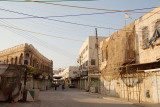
pixel 143 104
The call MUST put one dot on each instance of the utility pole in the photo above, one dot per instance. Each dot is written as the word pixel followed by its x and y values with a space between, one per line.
pixel 97 46
pixel 97 61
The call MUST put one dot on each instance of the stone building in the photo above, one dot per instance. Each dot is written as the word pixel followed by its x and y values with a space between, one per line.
pixel 88 64
pixel 117 50
pixel 131 69
pixel 70 75
pixel 26 54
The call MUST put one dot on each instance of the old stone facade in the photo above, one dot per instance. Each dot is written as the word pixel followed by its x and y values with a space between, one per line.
pixel 26 54
pixel 130 62
pixel 88 64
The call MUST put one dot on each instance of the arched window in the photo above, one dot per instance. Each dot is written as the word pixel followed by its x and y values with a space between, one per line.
pixel 25 62
pixel 21 59
pixel 16 60
pixel 11 60
pixel 27 55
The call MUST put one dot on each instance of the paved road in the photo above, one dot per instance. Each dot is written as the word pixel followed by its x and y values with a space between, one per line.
pixel 70 98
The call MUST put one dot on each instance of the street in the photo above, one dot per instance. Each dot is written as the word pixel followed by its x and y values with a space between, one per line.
pixel 70 97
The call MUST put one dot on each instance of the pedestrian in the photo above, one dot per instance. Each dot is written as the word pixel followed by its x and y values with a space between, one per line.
pixel 55 87
pixel 63 86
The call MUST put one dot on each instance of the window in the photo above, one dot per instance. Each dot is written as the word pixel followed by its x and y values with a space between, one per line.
pixel 27 55
pixel 93 62
pixel 26 62
pixel 16 60
pixel 11 60
pixel 145 36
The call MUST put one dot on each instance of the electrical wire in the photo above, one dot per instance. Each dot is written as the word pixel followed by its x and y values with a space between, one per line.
pixel 93 26
pixel 44 1
pixel 40 42
pixel 72 15
pixel 39 33
pixel 123 11
pixel 86 25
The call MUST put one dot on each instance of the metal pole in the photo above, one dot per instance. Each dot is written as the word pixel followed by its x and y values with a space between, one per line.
pixel 97 45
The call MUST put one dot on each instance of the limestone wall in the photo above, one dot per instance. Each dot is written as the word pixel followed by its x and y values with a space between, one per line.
pixel 143 54
pixel 28 55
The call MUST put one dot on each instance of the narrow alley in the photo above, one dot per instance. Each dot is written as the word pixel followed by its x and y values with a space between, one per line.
pixel 70 97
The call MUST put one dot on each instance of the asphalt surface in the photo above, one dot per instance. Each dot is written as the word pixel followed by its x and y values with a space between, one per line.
pixel 70 97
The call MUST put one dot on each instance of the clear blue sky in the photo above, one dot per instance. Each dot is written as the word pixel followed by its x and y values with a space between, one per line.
pixel 63 52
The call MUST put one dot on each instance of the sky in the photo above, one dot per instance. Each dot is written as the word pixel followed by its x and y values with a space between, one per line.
pixel 60 36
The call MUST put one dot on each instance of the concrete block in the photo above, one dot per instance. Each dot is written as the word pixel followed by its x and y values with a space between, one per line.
pixel 33 95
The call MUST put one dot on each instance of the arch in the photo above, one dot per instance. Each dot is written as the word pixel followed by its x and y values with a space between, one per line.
pixel 15 60
pixel 27 55
pixel 21 58
pixel 35 62
pixel 26 62
pixel 31 60
pixel 11 60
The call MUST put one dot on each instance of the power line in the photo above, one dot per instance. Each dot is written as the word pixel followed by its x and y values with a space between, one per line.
pixel 44 1
pixel 40 42
pixel 91 8
pixel 93 26
pixel 39 33
pixel 73 15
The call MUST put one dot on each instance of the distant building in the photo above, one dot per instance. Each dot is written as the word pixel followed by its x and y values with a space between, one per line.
pixel 70 75
pixel 88 63
pixel 26 54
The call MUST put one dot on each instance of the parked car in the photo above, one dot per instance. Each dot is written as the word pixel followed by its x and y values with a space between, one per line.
pixel 71 86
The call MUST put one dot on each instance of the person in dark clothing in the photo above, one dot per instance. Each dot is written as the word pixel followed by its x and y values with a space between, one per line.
pixel 55 87
pixel 63 86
